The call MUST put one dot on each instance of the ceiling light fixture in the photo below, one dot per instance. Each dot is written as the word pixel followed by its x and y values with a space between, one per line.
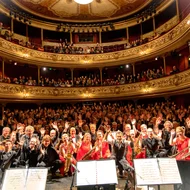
pixel 83 2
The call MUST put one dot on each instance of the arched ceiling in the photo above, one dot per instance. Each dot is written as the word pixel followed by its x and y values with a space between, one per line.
pixel 69 11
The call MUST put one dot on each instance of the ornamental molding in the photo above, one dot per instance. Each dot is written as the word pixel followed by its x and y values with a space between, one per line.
pixel 172 85
pixel 176 37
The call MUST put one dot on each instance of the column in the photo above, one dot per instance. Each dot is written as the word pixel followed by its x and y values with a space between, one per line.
pixel 127 34
pixel 3 68
pixel 71 37
pixel 72 77
pixel 100 75
pixel 164 61
pixel 42 37
pixel 100 36
pixel 141 30
pixel 39 75
pixel 2 114
pixel 177 9
pixel 12 25
pixel 27 39
pixel 154 25
pixel 133 69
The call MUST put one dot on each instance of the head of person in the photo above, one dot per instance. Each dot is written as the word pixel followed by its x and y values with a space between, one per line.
pixel 143 128
pixel 72 131
pixel 87 137
pixel 150 132
pixel 46 141
pixel 33 142
pixel 180 131
pixel 119 136
pixel 8 145
pixel 29 131
pixel 93 127
pixel 168 125
pixel 52 133
pixel 100 135
pixel 114 126
pixel 127 128
pixel 6 132
pixel 65 137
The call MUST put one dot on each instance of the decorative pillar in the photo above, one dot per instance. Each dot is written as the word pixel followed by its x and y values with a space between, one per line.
pixel 100 37
pixel 177 9
pixel 72 76
pixel 42 37
pixel 127 34
pixel 133 69
pixel 12 25
pixel 71 37
pixel 39 74
pixel 164 61
pixel 141 30
pixel 2 114
pixel 154 25
pixel 100 75
pixel 3 68
pixel 27 39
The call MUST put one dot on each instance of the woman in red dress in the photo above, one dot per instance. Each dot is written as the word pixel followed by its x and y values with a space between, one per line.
pixel 102 150
pixel 182 142
pixel 85 147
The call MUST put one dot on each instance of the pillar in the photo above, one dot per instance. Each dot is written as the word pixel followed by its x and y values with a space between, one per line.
pixel 100 75
pixel 27 39
pixel 133 69
pixel 177 9
pixel 100 37
pixel 154 25
pixel 3 68
pixel 164 61
pixel 127 34
pixel 71 37
pixel 39 75
pixel 42 37
pixel 72 76
pixel 12 25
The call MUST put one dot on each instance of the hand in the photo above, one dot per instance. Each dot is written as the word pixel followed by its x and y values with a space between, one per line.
pixel 42 131
pixel 172 132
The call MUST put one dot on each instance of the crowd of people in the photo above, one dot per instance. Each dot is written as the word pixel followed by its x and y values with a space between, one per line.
pixel 57 137
pixel 90 79
pixel 65 47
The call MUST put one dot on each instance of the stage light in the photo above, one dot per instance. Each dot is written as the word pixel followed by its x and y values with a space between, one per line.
pixel 44 68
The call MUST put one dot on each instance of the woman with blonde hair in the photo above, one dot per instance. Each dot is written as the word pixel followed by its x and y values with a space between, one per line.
pixel 182 143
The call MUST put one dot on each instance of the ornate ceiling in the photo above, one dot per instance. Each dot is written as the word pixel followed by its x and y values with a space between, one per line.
pixel 68 10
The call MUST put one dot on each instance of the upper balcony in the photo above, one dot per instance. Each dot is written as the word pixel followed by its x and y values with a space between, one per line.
pixel 173 39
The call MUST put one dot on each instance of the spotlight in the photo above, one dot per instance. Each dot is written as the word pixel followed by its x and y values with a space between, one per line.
pixel 15 63
pixel 156 58
pixel 44 68
pixel 127 66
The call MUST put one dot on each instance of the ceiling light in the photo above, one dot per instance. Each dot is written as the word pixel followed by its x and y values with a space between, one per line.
pixel 83 2
pixel 44 68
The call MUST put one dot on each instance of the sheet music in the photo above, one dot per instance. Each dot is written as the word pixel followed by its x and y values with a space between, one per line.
pixel 87 174
pixel 157 171
pixel 15 179
pixel 106 172
pixel 96 172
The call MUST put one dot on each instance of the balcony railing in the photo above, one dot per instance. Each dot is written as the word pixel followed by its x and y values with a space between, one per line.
pixel 171 85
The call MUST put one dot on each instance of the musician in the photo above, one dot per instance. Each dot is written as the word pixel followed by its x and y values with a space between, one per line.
pixel 93 133
pixel 119 150
pixel 30 153
pixel 102 147
pixel 5 134
pixel 85 148
pixel 151 145
pixel 126 131
pixel 66 151
pixel 49 156
pixel 182 142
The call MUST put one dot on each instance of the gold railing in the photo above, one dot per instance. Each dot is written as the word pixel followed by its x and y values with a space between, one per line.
pixel 170 85
pixel 177 37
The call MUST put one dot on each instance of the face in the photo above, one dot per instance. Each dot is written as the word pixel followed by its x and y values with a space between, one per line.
pixel 52 133
pixel 65 137
pixel 119 137
pixel 72 131
pixel 87 138
pixel 8 146
pixel 150 133
pixel 6 132
pixel 99 135
pixel 168 127
pixel 33 142
pixel 29 132
pixel 46 143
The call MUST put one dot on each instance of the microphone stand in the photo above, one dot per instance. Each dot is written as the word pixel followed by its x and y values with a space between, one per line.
pixel 73 176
